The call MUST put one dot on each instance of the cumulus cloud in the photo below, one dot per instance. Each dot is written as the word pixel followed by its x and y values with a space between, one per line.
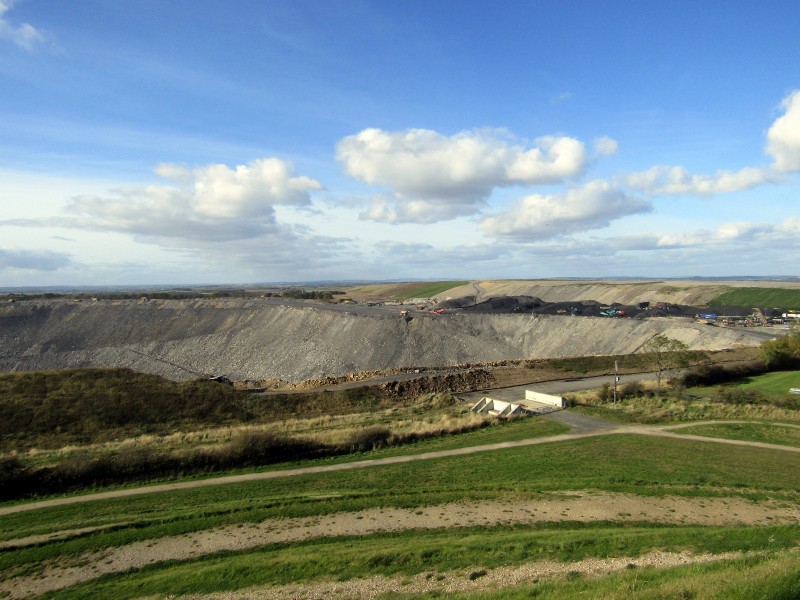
pixel 25 36
pixel 209 203
pixel 783 145
pixel 738 235
pixel 606 146
pixel 433 177
pixel 537 216
pixel 32 260
pixel 783 138
pixel 663 180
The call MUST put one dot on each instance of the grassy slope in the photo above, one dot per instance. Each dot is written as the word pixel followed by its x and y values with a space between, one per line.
pixel 54 408
pixel 631 464
pixel 402 291
pixel 773 385
pixel 755 432
pixel 623 463
pixel 411 553
pixel 619 463
pixel 755 296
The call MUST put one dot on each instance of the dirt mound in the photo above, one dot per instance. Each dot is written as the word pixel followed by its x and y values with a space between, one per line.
pixel 252 340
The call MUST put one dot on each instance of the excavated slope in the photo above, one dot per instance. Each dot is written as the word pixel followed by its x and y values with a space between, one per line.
pixel 258 340
pixel 695 293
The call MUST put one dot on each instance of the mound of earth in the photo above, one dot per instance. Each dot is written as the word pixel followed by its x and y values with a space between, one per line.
pixel 258 340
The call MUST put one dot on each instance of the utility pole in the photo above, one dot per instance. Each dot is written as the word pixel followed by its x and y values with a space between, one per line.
pixel 616 379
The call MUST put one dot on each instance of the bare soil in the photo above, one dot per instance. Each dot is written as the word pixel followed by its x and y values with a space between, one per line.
pixel 578 506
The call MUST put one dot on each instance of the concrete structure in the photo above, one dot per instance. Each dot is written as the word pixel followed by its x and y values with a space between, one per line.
pixel 556 401
pixel 497 407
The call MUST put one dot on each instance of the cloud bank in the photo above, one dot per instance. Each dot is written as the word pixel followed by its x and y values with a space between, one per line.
pixel 538 216
pixel 32 260
pixel 432 177
pixel 213 203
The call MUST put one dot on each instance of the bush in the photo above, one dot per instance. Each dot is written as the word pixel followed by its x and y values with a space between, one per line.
pixel 737 395
pixel 632 389
pixel 370 438
pixel 604 394
pixel 716 374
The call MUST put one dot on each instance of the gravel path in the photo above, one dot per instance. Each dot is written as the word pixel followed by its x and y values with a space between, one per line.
pixel 462 581
pixel 608 429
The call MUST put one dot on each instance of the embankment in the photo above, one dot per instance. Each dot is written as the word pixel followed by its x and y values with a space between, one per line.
pixel 249 339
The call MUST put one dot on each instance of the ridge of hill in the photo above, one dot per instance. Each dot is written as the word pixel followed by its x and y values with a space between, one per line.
pixel 252 339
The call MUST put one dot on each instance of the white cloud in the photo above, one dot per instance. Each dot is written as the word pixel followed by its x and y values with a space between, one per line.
pixel 783 145
pixel 32 260
pixel 209 203
pixel 726 237
pixel 536 217
pixel 560 98
pixel 434 177
pixel 25 36
pixel 606 146
pixel 783 138
pixel 663 180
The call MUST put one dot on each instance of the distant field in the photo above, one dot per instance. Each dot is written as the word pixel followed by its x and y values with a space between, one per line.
pixel 756 296
pixel 403 291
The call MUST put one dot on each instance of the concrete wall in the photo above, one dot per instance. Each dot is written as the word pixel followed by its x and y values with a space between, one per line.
pixel 545 398
pixel 496 407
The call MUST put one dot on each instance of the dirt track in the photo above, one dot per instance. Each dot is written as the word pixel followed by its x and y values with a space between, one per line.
pixel 607 429
pixel 564 506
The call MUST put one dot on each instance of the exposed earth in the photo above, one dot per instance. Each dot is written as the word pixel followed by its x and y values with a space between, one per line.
pixel 295 340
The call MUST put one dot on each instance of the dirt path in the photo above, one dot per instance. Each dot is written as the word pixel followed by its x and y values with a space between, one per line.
pixel 466 580
pixel 581 506
pixel 607 429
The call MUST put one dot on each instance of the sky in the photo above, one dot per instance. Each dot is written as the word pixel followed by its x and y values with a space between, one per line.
pixel 210 141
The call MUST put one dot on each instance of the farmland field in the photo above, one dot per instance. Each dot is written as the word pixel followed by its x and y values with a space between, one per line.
pixel 756 296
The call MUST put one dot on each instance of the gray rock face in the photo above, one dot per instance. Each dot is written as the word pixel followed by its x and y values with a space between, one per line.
pixel 251 339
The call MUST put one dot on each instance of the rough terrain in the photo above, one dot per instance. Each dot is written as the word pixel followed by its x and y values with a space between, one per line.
pixel 295 341
pixel 695 292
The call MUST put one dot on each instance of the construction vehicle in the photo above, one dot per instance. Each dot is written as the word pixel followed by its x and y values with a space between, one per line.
pixel 758 314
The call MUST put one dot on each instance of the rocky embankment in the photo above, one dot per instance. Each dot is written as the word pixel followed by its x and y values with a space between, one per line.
pixel 251 339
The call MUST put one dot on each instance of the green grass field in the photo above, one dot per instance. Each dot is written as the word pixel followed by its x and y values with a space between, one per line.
pixel 755 296
pixel 638 466
pixel 413 553
pixel 429 289
pixel 404 291
pixel 630 464
pixel 772 385
pixel 754 432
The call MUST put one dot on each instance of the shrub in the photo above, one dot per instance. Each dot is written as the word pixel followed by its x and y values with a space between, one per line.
pixel 370 438
pixel 632 389
pixel 715 374
pixel 604 394
pixel 737 395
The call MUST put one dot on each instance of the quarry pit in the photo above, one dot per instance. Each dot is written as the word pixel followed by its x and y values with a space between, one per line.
pixel 296 340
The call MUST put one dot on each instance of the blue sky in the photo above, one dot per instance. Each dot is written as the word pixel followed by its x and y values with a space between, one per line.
pixel 229 142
